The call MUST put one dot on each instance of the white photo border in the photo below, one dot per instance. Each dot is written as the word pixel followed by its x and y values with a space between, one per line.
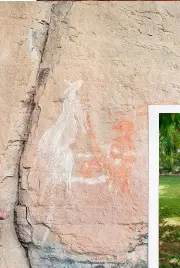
pixel 153 226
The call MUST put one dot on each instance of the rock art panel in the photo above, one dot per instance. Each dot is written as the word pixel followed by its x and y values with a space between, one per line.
pixel 74 164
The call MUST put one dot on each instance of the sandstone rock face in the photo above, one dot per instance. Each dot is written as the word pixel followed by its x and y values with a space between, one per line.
pixel 20 55
pixel 76 82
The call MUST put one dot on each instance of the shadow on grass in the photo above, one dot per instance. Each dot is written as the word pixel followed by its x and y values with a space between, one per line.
pixel 169 222
pixel 169 245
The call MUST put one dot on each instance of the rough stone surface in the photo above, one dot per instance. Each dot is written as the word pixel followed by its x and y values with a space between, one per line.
pixel 78 194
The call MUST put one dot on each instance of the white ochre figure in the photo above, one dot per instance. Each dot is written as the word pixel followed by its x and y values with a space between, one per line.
pixel 54 152
pixel 54 146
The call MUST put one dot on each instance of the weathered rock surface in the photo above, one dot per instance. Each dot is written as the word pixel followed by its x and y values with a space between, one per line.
pixel 20 55
pixel 74 163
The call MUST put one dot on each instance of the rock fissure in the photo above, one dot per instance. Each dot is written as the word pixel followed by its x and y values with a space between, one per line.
pixel 15 150
pixel 32 114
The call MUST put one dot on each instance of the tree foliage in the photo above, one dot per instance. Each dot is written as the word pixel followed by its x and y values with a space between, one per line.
pixel 169 143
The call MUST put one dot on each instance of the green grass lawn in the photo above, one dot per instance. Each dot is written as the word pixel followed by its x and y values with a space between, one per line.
pixel 169 213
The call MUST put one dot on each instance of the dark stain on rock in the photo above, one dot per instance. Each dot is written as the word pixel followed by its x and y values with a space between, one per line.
pixel 141 264
pixel 42 76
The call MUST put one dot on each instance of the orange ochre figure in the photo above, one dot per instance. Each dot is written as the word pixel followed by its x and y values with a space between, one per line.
pixel 117 164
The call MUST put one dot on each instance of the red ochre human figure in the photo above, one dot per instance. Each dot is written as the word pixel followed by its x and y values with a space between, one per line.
pixel 122 152
pixel 118 163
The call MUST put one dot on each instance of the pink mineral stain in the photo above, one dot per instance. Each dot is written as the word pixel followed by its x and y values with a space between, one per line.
pixel 4 215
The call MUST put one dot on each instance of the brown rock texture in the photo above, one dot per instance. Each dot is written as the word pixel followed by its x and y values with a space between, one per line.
pixel 75 83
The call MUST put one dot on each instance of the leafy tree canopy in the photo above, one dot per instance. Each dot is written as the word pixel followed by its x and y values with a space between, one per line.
pixel 169 143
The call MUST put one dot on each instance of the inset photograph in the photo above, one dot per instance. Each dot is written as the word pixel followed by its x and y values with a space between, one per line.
pixel 169 190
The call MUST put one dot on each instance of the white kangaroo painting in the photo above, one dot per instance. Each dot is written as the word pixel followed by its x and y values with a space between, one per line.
pixel 54 146
pixel 54 152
